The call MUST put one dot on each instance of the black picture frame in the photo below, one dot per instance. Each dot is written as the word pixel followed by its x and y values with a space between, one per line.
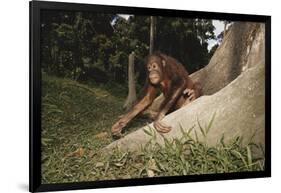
pixel 35 96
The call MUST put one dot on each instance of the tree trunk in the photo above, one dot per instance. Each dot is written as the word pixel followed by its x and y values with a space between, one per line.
pixel 131 98
pixel 77 54
pixel 152 30
pixel 234 79
pixel 241 45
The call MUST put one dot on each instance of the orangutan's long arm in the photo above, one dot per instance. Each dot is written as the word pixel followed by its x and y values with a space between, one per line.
pixel 137 108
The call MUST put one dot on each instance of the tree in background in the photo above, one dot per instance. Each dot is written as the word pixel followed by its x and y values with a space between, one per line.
pixel 185 39
pixel 220 37
pixel 82 45
pixel 68 41
pixel 132 96
pixel 152 32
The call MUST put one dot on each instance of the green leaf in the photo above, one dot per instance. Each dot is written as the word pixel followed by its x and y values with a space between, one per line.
pixel 210 123
pixel 201 128
pixel 239 155
pixel 147 132
pixel 249 156
pixel 196 136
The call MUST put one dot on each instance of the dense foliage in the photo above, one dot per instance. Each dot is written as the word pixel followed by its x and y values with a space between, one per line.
pixel 91 46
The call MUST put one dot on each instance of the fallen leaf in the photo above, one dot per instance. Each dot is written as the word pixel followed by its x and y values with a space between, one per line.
pixel 119 164
pixel 101 135
pixel 150 173
pixel 78 153
pixel 91 153
pixel 152 165
pixel 99 164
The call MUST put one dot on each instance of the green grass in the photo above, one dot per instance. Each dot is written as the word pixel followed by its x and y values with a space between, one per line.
pixel 184 156
pixel 76 122
pixel 72 115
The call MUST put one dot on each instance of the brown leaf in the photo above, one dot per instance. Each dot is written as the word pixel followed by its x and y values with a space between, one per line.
pixel 91 153
pixel 150 173
pixel 99 164
pixel 78 153
pixel 101 135
pixel 152 165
